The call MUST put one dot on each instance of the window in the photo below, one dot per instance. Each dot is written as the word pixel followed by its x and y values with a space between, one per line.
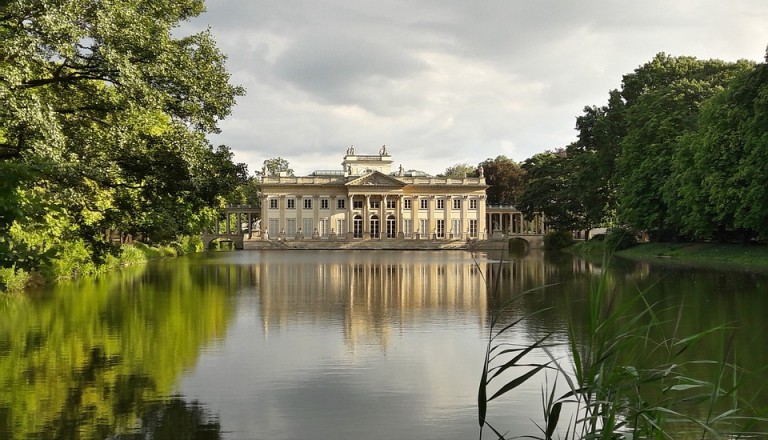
pixel 307 203
pixel 456 203
pixel 340 204
pixel 357 204
pixel 440 203
pixel 423 203
pixel 424 227
pixel 407 227
pixel 456 228
pixel 291 203
pixel 323 203
pixel 340 226
pixel 440 230
pixel 472 203
pixel 290 227
pixel 307 228
pixel 406 203
pixel 473 228
pixel 375 204
pixel 274 228
pixel 272 203
pixel 391 203
pixel 322 227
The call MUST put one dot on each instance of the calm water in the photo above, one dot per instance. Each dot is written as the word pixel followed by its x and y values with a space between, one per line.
pixel 317 344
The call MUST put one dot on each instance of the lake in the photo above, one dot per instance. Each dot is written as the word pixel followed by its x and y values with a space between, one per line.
pixel 326 344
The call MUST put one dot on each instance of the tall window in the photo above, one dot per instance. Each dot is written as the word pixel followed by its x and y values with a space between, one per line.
pixel 307 203
pixel 473 228
pixel 322 227
pixel 274 228
pixel 323 203
pixel 290 227
pixel 407 227
pixel 456 203
pixel 291 203
pixel 406 203
pixel 456 228
pixel 340 204
pixel 391 233
pixel 424 227
pixel 440 228
pixel 306 228
pixel 423 203
pixel 272 204
pixel 472 203
pixel 440 203
pixel 357 227
pixel 341 228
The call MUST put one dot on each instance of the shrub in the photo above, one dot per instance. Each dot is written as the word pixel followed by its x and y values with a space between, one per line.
pixel 12 279
pixel 619 239
pixel 557 240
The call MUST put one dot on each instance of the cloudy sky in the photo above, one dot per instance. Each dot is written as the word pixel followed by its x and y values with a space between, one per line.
pixel 442 82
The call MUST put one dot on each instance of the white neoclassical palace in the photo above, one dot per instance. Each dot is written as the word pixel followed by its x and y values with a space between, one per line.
pixel 367 200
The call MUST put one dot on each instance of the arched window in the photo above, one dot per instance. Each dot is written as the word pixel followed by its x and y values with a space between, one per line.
pixel 374 226
pixel 357 227
pixel 391 231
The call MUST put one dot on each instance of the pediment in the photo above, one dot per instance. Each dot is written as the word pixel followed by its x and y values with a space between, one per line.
pixel 376 178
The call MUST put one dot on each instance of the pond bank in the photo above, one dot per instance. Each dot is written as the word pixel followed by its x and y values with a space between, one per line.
pixel 739 254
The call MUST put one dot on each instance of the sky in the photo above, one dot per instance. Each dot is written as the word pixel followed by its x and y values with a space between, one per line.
pixel 443 82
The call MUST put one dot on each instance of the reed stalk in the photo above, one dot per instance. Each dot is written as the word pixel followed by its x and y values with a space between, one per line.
pixel 600 385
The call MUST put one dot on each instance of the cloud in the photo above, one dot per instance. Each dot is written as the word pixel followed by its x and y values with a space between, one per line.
pixel 442 82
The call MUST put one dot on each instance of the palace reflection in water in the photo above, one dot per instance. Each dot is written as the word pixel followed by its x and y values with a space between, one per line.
pixel 308 344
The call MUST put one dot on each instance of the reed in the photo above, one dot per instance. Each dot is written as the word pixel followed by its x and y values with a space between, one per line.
pixel 626 377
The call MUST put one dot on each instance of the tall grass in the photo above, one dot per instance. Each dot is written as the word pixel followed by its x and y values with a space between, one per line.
pixel 625 377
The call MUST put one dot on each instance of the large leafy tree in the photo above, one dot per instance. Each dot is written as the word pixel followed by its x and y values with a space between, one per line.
pixel 549 190
pixel 593 159
pixel 505 178
pixel 662 103
pixel 104 117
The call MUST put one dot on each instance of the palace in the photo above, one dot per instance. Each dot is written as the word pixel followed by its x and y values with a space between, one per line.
pixel 367 200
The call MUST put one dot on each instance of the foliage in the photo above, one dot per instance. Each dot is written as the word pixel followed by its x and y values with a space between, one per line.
pixel 100 358
pixel 554 240
pixel 103 124
pixel 548 189
pixel 505 178
pixel 459 171
pixel 618 239
pixel 663 99
pixel 608 384
pixel 275 166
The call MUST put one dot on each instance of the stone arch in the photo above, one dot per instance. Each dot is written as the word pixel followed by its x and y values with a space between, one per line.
pixel 519 244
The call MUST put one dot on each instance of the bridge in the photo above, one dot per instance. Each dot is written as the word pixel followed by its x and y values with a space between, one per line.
pixel 237 223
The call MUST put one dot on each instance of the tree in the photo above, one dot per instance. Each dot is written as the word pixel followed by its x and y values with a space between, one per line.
pixel 505 178
pixel 548 190
pixel 663 98
pixel 275 166
pixel 104 118
pixel 459 171
pixel 593 161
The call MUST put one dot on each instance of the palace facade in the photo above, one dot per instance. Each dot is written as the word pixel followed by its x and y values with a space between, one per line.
pixel 367 200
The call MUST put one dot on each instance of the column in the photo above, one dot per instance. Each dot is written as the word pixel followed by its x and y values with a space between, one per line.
pixel 349 216
pixel 366 221
pixel 464 217
pixel 431 215
pixel 481 216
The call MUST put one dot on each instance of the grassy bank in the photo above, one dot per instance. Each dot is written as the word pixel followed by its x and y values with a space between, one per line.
pixel 74 261
pixel 693 252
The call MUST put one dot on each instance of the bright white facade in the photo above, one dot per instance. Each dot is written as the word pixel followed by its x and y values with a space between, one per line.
pixel 366 200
